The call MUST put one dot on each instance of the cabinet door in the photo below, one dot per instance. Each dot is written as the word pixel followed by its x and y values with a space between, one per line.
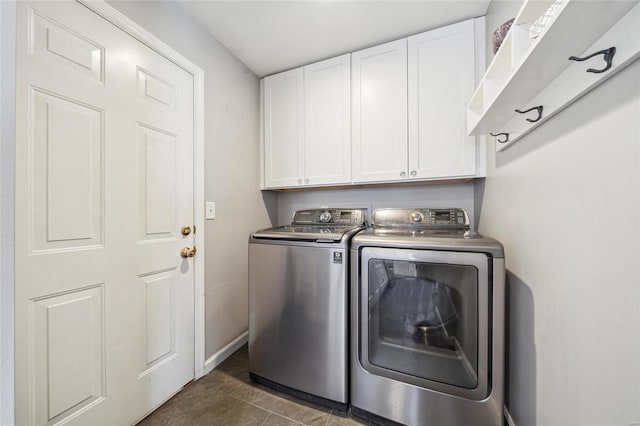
pixel 441 83
pixel 283 129
pixel 379 112
pixel 327 140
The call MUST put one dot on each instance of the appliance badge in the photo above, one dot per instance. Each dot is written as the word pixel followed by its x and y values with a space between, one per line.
pixel 337 257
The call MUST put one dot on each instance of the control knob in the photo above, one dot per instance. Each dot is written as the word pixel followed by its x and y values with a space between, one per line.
pixel 416 217
pixel 325 216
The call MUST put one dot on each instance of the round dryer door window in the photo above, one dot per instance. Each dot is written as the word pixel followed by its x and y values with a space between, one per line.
pixel 426 319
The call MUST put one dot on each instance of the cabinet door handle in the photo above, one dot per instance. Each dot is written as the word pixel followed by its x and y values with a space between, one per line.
pixel 403 174
pixel 414 173
pixel 299 181
pixel 306 181
pixel 506 137
pixel 538 108
pixel 608 57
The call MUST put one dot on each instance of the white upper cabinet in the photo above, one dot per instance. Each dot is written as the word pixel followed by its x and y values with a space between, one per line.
pixel 390 113
pixel 327 118
pixel 409 107
pixel 379 112
pixel 283 129
pixel 307 125
pixel 441 82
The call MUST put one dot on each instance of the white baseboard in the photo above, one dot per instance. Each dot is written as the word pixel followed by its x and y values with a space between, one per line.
pixel 508 418
pixel 216 359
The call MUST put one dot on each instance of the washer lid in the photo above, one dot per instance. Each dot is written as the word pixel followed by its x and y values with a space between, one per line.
pixel 318 233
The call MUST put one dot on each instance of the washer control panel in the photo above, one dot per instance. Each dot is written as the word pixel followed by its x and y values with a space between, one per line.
pixel 354 217
pixel 424 218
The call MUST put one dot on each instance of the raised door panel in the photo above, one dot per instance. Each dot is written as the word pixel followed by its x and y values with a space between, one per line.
pixel 283 129
pixel 67 341
pixel 156 90
pixel 157 183
pixel 327 140
pixel 379 112
pixel 160 320
pixel 441 83
pixel 57 43
pixel 66 179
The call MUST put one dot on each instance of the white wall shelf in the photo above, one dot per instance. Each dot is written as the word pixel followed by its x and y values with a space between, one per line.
pixel 574 82
pixel 525 68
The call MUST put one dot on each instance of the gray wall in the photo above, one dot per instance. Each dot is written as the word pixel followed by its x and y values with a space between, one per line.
pixel 451 195
pixel 231 163
pixel 565 203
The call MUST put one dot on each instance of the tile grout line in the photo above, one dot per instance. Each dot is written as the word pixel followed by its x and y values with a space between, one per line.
pixel 265 420
pixel 273 412
pixel 265 409
pixel 268 410
pixel 329 417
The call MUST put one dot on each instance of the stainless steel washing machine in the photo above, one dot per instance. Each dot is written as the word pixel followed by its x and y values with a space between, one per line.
pixel 298 309
pixel 427 320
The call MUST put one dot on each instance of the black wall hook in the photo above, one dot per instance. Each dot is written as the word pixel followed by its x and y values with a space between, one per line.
pixel 505 140
pixel 608 57
pixel 538 108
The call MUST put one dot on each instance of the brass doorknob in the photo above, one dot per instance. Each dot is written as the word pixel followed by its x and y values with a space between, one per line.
pixel 188 252
pixel 185 230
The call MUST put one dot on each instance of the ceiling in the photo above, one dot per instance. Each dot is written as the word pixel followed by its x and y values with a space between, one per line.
pixel 273 36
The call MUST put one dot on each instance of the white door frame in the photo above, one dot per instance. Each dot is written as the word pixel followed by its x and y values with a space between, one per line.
pixel 7 190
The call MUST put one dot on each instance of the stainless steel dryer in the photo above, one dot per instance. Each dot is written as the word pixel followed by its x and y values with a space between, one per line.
pixel 298 310
pixel 427 320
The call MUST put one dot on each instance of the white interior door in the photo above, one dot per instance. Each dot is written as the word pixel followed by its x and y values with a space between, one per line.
pixel 104 182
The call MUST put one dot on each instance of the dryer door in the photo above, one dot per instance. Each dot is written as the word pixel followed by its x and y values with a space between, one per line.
pixel 424 318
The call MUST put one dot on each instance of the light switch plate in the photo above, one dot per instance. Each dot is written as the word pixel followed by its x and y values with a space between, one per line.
pixel 210 210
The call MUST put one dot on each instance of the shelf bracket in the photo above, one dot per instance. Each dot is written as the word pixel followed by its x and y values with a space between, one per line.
pixel 505 140
pixel 538 108
pixel 608 57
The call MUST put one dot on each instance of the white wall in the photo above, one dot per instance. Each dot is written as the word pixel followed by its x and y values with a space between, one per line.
pixel 565 202
pixel 7 150
pixel 231 163
pixel 450 195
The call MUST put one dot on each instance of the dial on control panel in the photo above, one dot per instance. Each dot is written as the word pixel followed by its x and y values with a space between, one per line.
pixel 416 217
pixel 325 216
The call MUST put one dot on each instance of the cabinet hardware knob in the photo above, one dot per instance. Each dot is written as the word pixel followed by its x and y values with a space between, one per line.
pixel 403 174
pixel 414 173
pixel 185 230
pixel 306 181
pixel 608 57
pixel 299 181
pixel 506 137
pixel 539 108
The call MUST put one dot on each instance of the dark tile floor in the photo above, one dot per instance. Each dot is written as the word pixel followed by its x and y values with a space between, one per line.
pixel 227 397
